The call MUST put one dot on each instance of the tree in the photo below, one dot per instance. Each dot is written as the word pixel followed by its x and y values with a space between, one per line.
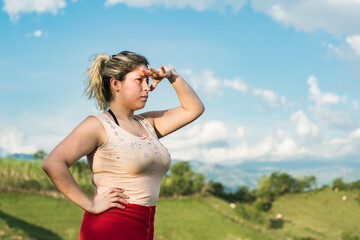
pixel 198 182
pixel 216 189
pixel 182 181
pixel 243 194
pixel 339 184
pixel 181 175
pixel 307 183
pixel 278 184
pixel 39 155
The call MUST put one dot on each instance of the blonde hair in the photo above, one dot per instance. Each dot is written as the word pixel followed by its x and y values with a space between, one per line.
pixel 103 69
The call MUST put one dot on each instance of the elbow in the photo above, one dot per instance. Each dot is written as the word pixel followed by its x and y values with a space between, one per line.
pixel 45 165
pixel 201 109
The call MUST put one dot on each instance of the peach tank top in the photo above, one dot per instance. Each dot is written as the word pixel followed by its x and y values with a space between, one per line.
pixel 135 164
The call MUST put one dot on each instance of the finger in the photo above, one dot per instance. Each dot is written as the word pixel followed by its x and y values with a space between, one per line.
pixel 115 189
pixel 142 69
pixel 120 200
pixel 162 69
pixel 120 189
pixel 121 195
pixel 153 70
pixel 145 71
pixel 118 205
pixel 153 85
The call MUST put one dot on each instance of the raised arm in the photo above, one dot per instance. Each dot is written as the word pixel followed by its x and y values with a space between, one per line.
pixel 170 120
pixel 81 141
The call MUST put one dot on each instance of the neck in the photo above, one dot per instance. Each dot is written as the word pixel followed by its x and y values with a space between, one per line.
pixel 121 112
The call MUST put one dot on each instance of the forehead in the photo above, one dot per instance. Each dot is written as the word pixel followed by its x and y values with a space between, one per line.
pixel 137 72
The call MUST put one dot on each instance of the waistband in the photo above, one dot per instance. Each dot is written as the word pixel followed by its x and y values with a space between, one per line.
pixel 142 216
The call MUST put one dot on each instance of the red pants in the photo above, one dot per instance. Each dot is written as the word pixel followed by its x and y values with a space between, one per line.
pixel 135 222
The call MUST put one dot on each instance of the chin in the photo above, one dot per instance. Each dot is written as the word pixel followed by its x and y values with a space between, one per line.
pixel 139 107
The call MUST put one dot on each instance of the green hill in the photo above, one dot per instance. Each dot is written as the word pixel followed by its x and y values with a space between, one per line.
pixel 33 216
pixel 320 215
pixel 307 216
pixel 314 215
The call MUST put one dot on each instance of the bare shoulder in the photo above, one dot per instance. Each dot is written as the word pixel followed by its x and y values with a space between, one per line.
pixel 89 132
pixel 153 118
pixel 149 116
pixel 92 126
pixel 86 137
pixel 92 121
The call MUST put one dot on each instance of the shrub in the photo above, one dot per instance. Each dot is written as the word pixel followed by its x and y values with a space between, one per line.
pixel 249 214
pixel 349 236
pixel 276 223
pixel 262 205
pixel 31 184
pixel 340 184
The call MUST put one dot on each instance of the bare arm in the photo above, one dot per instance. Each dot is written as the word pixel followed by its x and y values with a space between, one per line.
pixel 81 141
pixel 168 121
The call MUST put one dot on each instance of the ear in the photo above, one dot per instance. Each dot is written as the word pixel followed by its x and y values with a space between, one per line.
pixel 115 84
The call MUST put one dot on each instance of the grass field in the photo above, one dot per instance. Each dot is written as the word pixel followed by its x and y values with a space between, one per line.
pixel 33 216
pixel 315 215
pixel 320 215
pixel 308 216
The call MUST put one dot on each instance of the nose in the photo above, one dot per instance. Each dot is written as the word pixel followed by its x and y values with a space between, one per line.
pixel 145 86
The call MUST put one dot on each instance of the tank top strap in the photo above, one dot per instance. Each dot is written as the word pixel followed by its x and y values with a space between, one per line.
pixel 107 123
pixel 146 124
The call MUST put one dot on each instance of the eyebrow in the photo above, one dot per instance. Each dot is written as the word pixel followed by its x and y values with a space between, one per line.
pixel 143 76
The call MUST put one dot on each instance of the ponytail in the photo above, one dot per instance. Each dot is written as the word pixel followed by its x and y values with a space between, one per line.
pixel 95 88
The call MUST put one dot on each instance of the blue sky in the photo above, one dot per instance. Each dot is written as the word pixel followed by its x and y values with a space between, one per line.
pixel 279 79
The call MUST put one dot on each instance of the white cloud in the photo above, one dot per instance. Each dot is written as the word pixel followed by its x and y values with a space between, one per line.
pixel 267 95
pixel 237 84
pixel 355 134
pixel 340 52
pixel 195 144
pixel 210 132
pixel 215 86
pixel 355 104
pixel 354 42
pixel 16 7
pixel 267 149
pixel 287 147
pixel 12 141
pixel 348 50
pixel 199 5
pixel 336 142
pixel 271 98
pixel 200 143
pixel 205 80
pixel 338 118
pixel 319 97
pixel 240 131
pixel 38 33
pixel 303 125
pixel 327 108
pixel 337 17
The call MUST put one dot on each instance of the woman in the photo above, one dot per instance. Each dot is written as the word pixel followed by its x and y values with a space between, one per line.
pixel 123 151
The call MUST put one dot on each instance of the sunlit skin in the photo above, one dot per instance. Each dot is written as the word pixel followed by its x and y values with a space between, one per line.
pixel 129 95
pixel 132 92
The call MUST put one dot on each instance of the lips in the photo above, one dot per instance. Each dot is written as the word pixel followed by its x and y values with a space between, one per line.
pixel 144 97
